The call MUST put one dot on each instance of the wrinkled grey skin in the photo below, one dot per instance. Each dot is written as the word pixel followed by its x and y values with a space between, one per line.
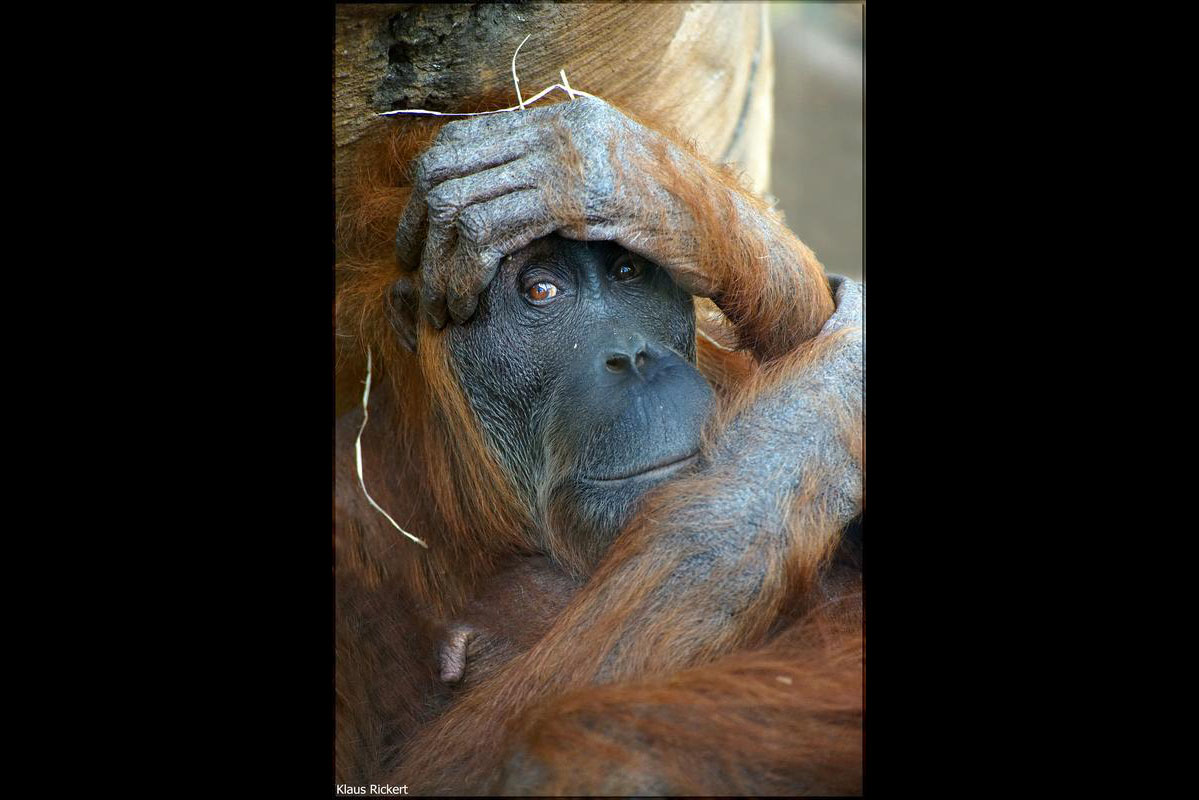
pixel 478 196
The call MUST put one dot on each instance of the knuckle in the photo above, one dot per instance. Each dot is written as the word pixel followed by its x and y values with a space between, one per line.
pixel 443 204
pixel 430 167
pixel 473 224
pixel 420 172
pixel 451 131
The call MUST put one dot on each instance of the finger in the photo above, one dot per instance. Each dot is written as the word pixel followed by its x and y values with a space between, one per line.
pixel 432 307
pixel 455 160
pixel 435 167
pixel 507 221
pixel 470 273
pixel 450 163
pixel 478 225
pixel 448 200
pixel 439 247
pixel 486 233
pixel 410 231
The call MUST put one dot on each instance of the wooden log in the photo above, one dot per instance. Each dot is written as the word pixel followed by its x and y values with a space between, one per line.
pixel 705 68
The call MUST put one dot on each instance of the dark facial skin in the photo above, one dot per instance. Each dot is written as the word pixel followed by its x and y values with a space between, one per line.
pixel 580 365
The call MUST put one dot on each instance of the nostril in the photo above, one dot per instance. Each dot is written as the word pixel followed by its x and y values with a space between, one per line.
pixel 617 363
pixel 641 359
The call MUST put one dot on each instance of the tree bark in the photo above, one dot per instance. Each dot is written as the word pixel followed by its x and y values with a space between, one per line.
pixel 705 67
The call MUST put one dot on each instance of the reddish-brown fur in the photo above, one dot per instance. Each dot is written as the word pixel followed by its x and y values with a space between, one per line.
pixel 774 706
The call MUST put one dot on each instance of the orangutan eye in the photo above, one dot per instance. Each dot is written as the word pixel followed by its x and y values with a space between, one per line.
pixel 542 292
pixel 625 269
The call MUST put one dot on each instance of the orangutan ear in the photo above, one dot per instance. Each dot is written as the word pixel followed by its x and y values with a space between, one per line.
pixel 402 304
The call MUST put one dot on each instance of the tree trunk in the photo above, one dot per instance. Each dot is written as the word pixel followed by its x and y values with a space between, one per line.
pixel 705 67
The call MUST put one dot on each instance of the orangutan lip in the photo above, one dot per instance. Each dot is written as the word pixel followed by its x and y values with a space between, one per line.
pixel 657 471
